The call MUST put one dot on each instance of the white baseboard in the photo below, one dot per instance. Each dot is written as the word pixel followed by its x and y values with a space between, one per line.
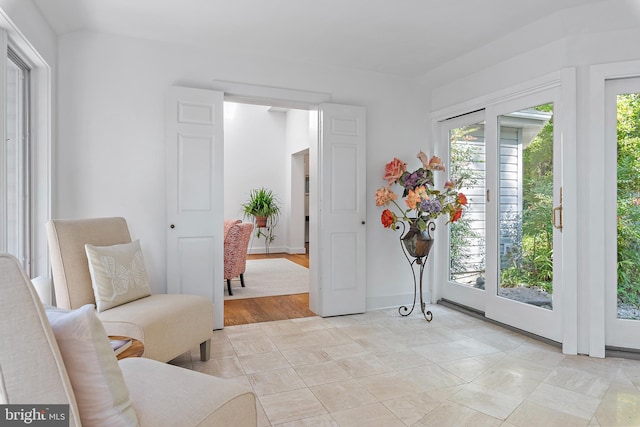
pixel 276 250
pixel 272 250
pixel 392 301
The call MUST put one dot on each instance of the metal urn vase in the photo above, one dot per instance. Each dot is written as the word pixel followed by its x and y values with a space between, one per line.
pixel 416 246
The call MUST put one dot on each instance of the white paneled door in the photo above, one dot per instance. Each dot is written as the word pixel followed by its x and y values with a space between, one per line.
pixel 341 210
pixel 194 139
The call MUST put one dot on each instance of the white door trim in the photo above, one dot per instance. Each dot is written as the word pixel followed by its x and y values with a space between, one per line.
pixel 290 98
pixel 275 96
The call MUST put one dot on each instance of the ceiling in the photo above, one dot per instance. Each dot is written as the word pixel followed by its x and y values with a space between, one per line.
pixel 402 37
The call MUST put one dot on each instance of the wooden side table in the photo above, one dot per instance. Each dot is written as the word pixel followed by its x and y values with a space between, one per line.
pixel 136 349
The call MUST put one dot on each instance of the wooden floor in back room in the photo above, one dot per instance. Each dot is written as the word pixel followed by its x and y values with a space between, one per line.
pixel 266 309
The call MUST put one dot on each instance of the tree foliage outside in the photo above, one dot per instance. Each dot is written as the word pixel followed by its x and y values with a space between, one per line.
pixel 467 163
pixel 628 206
pixel 530 261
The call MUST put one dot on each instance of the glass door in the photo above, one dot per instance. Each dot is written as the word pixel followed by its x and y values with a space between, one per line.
pixel 504 257
pixel 465 270
pixel 622 213
pixel 524 205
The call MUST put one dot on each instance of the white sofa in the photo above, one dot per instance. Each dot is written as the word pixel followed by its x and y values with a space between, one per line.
pixel 33 370
pixel 168 325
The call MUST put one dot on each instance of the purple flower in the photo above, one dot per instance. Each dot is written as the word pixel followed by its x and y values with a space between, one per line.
pixel 412 180
pixel 431 206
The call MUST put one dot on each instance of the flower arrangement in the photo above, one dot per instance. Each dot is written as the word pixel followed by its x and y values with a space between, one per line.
pixel 423 202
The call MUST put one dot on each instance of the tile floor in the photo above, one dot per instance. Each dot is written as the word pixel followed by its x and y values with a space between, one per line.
pixel 380 369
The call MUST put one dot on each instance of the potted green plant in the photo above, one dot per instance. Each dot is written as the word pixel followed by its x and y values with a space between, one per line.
pixel 264 208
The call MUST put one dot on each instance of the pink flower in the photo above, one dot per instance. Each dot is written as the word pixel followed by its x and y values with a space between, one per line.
pixel 424 159
pixel 394 170
pixel 435 164
pixel 421 198
pixel 384 196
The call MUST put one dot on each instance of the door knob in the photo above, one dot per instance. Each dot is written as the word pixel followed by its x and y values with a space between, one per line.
pixel 172 226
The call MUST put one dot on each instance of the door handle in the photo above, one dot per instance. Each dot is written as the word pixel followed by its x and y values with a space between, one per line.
pixel 558 209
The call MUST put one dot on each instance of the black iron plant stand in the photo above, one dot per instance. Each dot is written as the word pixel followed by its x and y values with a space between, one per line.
pixel 417 245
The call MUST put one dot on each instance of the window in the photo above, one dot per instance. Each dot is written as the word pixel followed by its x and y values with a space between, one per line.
pixel 15 163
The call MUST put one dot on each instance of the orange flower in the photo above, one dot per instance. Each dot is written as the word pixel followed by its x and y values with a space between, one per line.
pixel 422 193
pixel 384 195
pixel 456 215
pixel 462 199
pixel 388 218
pixel 394 170
pixel 412 199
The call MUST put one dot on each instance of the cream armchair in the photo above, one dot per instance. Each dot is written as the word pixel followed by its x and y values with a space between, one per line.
pixel 168 325
pixel 41 368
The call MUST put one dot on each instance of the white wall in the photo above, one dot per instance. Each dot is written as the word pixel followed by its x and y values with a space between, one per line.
pixel 111 156
pixel 259 147
pixel 255 156
pixel 573 35
pixel 299 139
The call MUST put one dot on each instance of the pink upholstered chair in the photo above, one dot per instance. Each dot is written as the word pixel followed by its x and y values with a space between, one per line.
pixel 228 223
pixel 236 245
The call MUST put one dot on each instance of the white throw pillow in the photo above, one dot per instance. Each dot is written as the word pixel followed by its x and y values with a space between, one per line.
pixel 118 274
pixel 102 395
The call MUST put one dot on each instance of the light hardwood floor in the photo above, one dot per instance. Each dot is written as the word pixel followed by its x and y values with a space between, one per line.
pixel 282 307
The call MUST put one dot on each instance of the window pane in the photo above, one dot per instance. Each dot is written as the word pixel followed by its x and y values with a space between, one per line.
pixel 467 235
pixel 628 206
pixel 16 164
pixel 526 199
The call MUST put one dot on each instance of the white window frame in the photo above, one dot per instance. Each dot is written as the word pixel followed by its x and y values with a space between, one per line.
pixel 40 130
pixel 22 249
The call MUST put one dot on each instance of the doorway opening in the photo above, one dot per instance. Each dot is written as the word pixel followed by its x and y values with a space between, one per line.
pixel 267 146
